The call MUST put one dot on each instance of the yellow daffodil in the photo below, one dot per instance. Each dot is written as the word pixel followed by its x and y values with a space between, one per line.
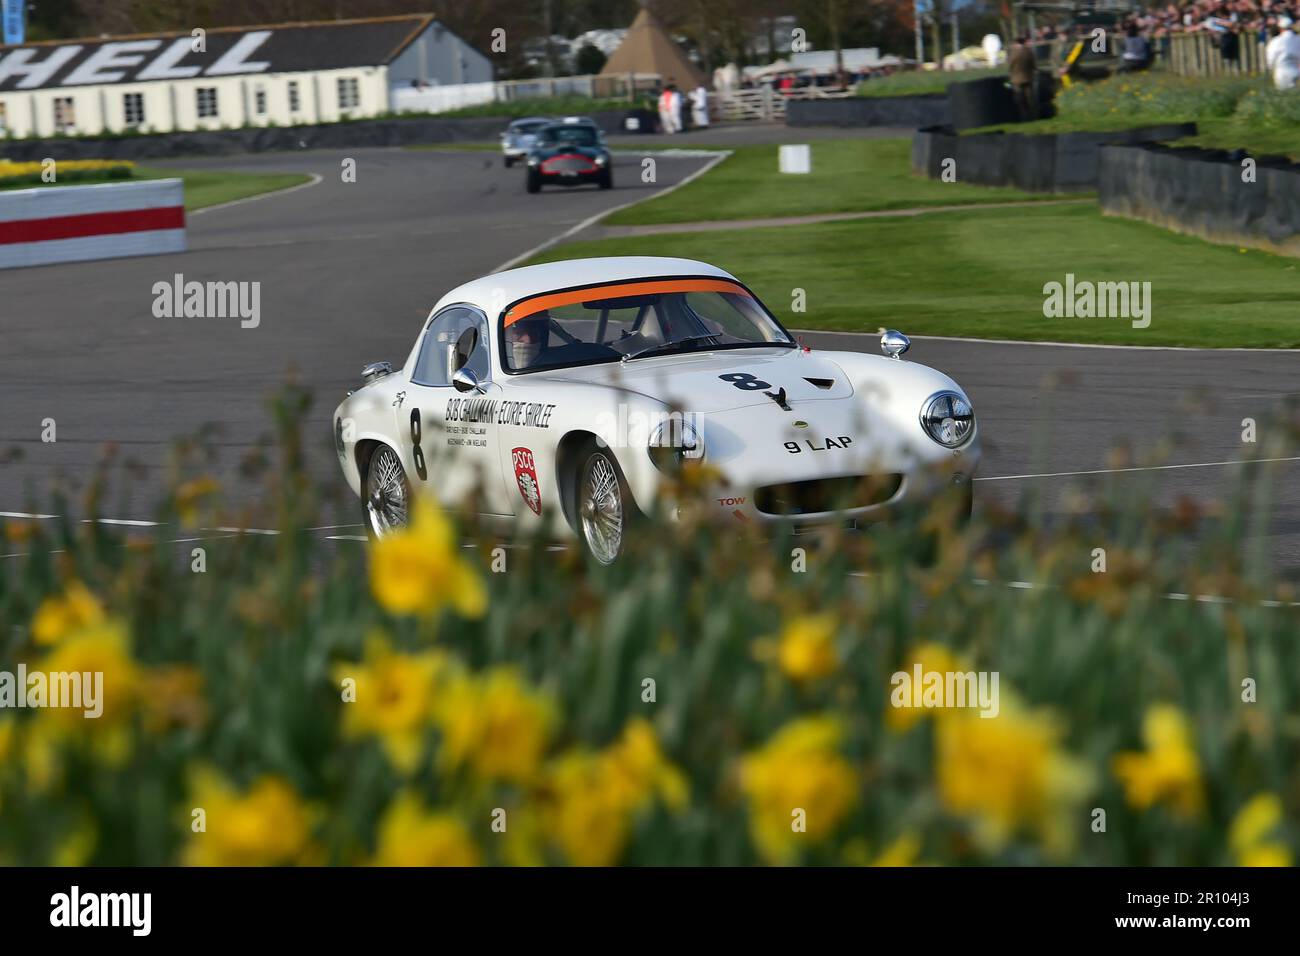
pixel 172 696
pixel 1008 774
pixel 409 835
pixel 638 766
pixel 8 738
pixel 587 817
pixel 1168 771
pixel 77 845
pixel 902 852
pixel 799 787
pixel 419 569
pixel 74 610
pixel 190 496
pixel 266 825
pixel 806 648
pixel 933 658
pixel 103 652
pixel 42 766
pixel 592 799
pixel 495 725
pixel 1251 829
pixel 391 697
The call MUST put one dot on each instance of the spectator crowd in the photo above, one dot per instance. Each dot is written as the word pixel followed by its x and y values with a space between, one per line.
pixel 1228 25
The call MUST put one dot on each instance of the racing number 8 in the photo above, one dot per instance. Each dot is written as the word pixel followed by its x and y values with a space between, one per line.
pixel 744 381
pixel 417 452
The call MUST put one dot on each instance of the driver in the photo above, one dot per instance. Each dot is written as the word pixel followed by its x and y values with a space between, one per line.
pixel 526 338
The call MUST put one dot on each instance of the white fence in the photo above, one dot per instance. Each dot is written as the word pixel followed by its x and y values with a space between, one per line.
pixel 765 104
pixel 443 99
pixel 51 224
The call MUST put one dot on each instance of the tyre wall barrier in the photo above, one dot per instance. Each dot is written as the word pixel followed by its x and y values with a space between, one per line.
pixel 52 224
pixel 902 111
pixel 1220 196
pixel 1052 163
pixel 387 132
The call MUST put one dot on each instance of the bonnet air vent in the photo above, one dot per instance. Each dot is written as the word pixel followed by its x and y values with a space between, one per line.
pixel 821 382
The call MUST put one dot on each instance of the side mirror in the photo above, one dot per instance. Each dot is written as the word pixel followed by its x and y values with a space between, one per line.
pixel 894 343
pixel 376 370
pixel 463 380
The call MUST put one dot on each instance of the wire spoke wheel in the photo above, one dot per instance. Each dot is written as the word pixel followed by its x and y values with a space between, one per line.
pixel 387 497
pixel 601 509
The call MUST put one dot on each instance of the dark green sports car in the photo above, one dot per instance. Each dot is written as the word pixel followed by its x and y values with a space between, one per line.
pixel 569 154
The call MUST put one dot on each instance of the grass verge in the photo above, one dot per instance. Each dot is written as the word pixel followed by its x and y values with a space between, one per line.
pixel 211 187
pixel 920 82
pixel 857 175
pixel 1230 112
pixel 982 272
pixel 203 187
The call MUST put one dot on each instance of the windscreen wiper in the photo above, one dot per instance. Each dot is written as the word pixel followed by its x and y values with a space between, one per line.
pixel 663 345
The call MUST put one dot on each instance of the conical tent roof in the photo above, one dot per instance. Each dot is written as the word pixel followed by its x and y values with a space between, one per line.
pixel 648 48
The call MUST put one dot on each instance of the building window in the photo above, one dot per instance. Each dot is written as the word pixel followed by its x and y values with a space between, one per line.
pixel 259 100
pixel 294 104
pixel 349 93
pixel 133 107
pixel 65 114
pixel 207 101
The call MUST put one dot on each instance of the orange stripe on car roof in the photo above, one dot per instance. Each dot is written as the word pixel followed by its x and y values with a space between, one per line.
pixel 553 300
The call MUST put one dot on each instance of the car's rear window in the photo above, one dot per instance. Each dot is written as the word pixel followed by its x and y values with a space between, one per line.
pixel 570 135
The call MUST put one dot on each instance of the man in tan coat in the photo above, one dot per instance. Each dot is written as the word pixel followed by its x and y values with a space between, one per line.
pixel 1023 67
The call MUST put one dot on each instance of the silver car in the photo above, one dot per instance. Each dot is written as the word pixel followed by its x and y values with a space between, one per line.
pixel 519 137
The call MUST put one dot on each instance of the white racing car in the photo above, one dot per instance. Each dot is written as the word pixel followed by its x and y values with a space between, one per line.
pixel 568 393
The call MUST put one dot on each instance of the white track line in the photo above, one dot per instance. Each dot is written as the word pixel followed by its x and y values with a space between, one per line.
pixel 1170 596
pixel 314 181
pixel 1059 345
pixel 718 157
pixel 1120 471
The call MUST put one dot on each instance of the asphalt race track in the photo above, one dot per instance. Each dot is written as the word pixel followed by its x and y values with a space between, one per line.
pixel 349 270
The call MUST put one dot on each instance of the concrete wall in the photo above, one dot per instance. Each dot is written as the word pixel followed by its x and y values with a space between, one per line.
pixel 900 111
pixel 74 223
pixel 1205 193
pixel 388 132
pixel 1057 163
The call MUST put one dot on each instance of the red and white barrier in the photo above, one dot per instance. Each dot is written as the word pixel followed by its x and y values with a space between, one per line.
pixel 74 223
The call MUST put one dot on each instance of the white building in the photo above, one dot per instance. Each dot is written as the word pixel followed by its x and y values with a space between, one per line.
pixel 229 77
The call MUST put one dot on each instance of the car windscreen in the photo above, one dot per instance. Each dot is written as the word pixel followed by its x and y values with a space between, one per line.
pixel 630 319
pixel 568 136
pixel 523 129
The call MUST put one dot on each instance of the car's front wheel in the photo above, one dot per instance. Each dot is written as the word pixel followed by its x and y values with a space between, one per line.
pixel 509 161
pixel 605 506
pixel 534 183
pixel 606 179
pixel 385 494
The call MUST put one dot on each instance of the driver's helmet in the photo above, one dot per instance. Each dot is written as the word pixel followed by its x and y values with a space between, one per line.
pixel 526 338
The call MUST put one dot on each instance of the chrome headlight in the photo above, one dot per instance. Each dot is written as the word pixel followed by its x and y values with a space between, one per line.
pixel 673 442
pixel 948 418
